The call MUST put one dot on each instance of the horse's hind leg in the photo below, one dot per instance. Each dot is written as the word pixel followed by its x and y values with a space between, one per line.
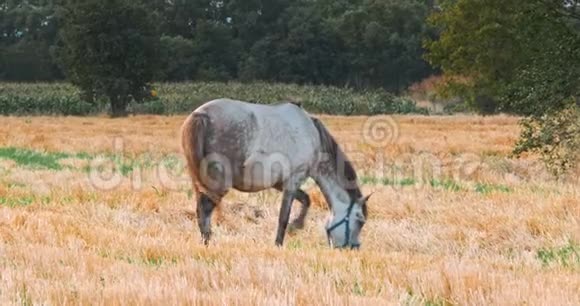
pixel 205 208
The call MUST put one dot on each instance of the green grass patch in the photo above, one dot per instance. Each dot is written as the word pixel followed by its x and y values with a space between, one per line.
pixel 158 261
pixel 369 180
pixel 152 261
pixel 13 185
pixel 33 159
pixel 24 297
pixel 37 159
pixel 446 184
pixel 565 256
pixel 84 156
pixel 406 182
pixel 419 299
pixel 436 302
pixel 51 160
pixel 358 289
pixel 372 180
pixel 295 244
pixel 16 202
pixel 484 188
pixel 23 201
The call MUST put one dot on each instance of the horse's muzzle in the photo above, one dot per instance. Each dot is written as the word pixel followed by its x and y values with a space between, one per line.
pixel 355 247
pixel 344 247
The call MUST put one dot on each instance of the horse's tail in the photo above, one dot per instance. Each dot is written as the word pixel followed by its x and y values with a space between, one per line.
pixel 193 135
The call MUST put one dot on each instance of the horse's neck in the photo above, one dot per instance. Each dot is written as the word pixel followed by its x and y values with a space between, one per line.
pixel 334 192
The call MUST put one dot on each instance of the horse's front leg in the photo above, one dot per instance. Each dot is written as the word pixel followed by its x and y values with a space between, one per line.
pixel 285 209
pixel 304 200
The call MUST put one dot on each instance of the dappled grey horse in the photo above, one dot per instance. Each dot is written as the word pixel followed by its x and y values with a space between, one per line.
pixel 252 147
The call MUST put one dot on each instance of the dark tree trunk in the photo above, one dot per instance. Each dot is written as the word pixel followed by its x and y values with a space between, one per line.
pixel 118 107
pixel 486 105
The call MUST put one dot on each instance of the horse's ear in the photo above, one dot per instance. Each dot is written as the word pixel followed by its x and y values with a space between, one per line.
pixel 364 200
pixel 297 103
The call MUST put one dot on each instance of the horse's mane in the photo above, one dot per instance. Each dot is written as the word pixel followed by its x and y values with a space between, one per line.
pixel 338 158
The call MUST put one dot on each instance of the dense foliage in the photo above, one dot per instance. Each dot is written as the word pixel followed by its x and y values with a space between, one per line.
pixel 361 43
pixel 28 30
pixel 109 49
pixel 520 57
pixel 182 98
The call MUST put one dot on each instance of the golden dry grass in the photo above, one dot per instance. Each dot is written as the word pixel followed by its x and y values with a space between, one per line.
pixel 65 241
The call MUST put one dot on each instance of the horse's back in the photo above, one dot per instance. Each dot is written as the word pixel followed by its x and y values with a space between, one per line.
pixel 289 115
pixel 255 136
pixel 281 128
pixel 241 110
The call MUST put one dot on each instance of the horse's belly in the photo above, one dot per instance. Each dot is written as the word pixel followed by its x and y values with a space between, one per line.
pixel 262 172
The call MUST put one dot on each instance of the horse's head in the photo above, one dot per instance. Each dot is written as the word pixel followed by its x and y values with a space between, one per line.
pixel 344 228
pixel 337 179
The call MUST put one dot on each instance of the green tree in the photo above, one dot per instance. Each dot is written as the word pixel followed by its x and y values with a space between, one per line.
pixel 110 49
pixel 305 50
pixel 27 61
pixel 178 58
pixel 524 54
pixel 216 51
pixel 367 43
pixel 27 33
pixel 384 42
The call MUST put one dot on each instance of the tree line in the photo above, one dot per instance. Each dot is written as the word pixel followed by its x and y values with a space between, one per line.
pixel 355 43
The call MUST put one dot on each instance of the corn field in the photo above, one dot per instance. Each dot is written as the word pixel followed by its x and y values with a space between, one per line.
pixel 180 98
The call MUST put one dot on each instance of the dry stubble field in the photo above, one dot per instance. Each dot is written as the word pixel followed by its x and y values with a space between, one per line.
pixel 453 221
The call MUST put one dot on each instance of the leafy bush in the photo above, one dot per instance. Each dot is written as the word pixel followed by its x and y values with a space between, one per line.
pixel 556 136
pixel 182 98
pixel 407 106
pixel 44 99
pixel 152 107
pixel 458 107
